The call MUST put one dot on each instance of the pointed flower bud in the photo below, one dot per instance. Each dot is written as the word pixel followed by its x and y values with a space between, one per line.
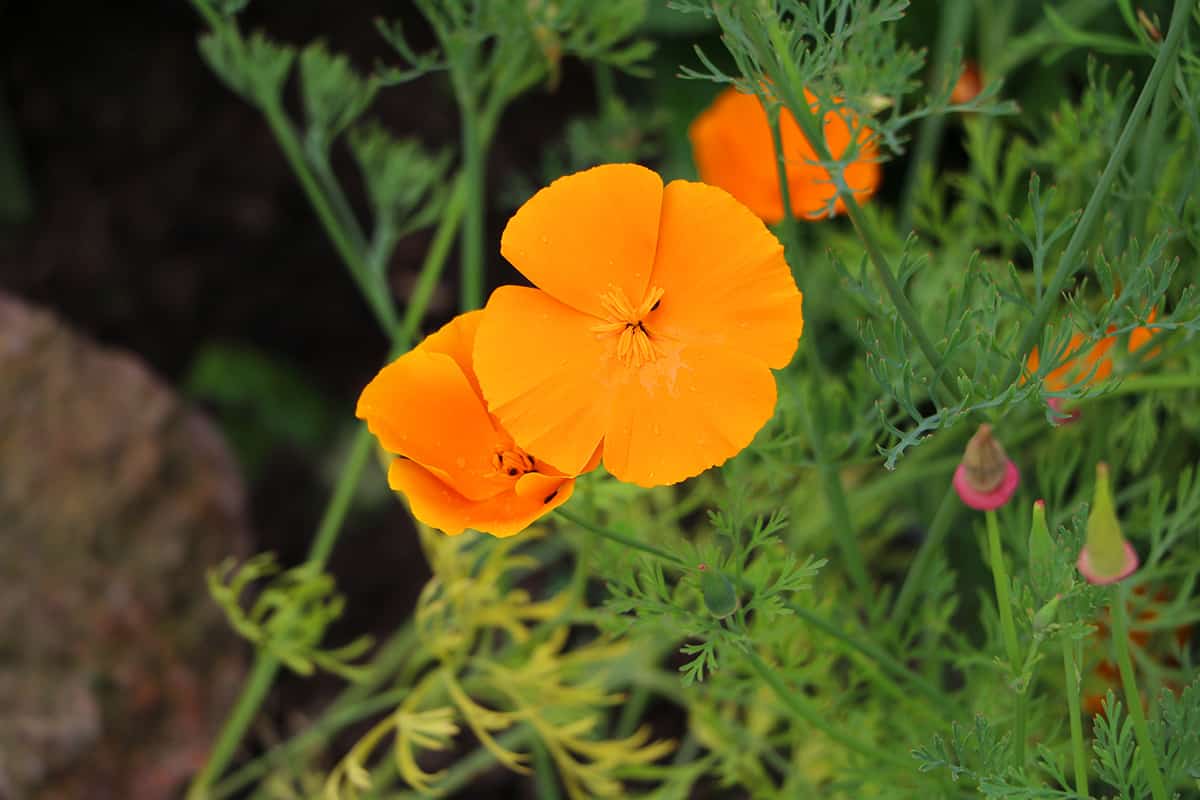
pixel 1041 546
pixel 1107 556
pixel 986 477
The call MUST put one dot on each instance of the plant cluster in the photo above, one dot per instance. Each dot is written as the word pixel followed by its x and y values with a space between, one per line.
pixel 959 556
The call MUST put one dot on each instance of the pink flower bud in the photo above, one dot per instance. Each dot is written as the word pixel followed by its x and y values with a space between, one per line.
pixel 986 478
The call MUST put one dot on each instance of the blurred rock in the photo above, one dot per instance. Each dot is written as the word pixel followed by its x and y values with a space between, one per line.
pixel 115 667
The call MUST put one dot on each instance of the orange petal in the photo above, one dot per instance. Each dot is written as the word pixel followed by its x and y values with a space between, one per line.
pixel 724 277
pixel 422 406
pixel 733 149
pixel 439 506
pixel 1139 337
pixel 543 370
pixel 685 412
pixel 588 232
pixel 457 339
pixel 811 186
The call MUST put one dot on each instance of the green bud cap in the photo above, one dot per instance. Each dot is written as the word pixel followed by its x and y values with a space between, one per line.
pixel 720 598
pixel 1106 556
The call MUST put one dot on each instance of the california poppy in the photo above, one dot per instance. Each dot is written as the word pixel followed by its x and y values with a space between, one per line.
pixel 1140 336
pixel 733 149
pixel 969 84
pixel 659 315
pixel 458 468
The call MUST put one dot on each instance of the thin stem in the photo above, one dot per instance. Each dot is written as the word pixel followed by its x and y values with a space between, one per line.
pixel 831 480
pixel 1133 698
pixel 376 294
pixel 314 735
pixel 622 539
pixel 1069 261
pixel 794 701
pixel 1008 630
pixel 435 261
pixel 471 285
pixel 1078 754
pixel 955 21
pixel 934 539
pixel 266 665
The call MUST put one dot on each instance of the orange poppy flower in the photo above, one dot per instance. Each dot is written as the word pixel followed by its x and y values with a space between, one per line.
pixel 733 149
pixel 458 468
pixel 1140 336
pixel 969 84
pixel 1092 367
pixel 660 314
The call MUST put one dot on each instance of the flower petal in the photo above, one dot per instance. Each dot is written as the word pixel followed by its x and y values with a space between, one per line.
pixel 542 370
pixel 724 277
pixel 686 412
pixel 732 147
pixel 457 339
pixel 505 514
pixel 588 232
pixel 422 406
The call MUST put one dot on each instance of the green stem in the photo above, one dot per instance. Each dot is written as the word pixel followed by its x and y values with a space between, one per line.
pixel 435 261
pixel 1069 261
pixel 314 735
pixel 794 701
pixel 471 287
pixel 831 480
pixel 1133 698
pixel 934 539
pixel 1150 383
pixel 375 292
pixel 1008 630
pixel 1078 754
pixel 953 28
pixel 266 665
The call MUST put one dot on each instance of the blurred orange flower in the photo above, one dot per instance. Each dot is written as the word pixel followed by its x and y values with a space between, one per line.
pixel 1158 648
pixel 458 468
pixel 1139 337
pixel 1091 367
pixel 660 314
pixel 969 84
pixel 733 149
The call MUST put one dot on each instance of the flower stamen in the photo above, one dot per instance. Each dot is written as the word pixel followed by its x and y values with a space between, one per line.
pixel 512 463
pixel 635 343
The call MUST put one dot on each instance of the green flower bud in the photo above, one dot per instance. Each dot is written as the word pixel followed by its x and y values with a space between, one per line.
pixel 720 598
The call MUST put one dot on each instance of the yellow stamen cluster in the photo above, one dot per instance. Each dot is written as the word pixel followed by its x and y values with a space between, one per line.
pixel 635 345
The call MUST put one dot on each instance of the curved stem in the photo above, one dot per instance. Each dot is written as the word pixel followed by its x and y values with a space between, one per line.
pixel 955 21
pixel 1133 698
pixel 1008 630
pixel 1068 261
pixel 471 287
pixel 934 539
pixel 1078 754
pixel 266 665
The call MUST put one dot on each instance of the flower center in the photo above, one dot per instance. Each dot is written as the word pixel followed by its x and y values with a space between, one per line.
pixel 635 342
pixel 512 463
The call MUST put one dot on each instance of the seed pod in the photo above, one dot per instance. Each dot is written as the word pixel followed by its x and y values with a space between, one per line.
pixel 720 598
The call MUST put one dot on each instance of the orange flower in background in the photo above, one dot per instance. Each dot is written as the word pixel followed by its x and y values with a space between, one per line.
pixel 1157 646
pixel 969 84
pixel 1091 367
pixel 733 149
pixel 458 468
pixel 659 316
pixel 1140 336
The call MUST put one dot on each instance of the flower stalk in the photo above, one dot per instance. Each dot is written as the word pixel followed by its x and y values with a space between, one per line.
pixel 1008 630
pixel 1133 698
pixel 1071 660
